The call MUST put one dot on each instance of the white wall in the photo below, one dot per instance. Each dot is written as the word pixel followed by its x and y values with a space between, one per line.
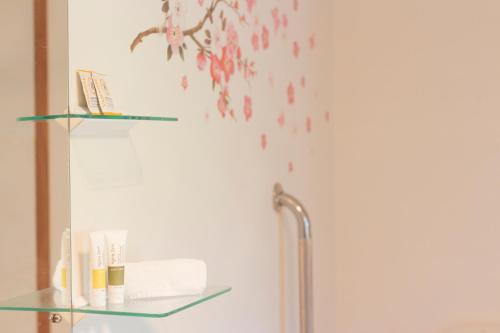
pixel 204 185
pixel 416 166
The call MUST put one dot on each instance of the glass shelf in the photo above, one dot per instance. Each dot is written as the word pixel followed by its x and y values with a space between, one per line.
pixel 94 116
pixel 96 125
pixel 46 301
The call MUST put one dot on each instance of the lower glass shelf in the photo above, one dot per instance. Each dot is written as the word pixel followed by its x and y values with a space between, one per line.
pixel 46 301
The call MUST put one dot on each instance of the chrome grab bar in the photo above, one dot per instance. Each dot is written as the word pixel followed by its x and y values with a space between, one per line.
pixel 282 199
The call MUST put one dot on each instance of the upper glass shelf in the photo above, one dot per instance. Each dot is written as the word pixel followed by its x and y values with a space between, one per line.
pixel 97 125
pixel 46 300
pixel 94 116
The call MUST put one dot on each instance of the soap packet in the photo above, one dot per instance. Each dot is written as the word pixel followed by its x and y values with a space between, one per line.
pixel 89 90
pixel 103 94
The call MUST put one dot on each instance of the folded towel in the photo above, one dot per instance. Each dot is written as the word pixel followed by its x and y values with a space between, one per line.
pixel 177 277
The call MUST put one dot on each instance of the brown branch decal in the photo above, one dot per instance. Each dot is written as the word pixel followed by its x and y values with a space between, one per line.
pixel 217 42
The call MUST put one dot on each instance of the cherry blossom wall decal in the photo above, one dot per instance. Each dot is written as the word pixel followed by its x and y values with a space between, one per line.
pixel 265 38
pixel 290 93
pixel 276 19
pixel 216 41
pixel 312 42
pixel 281 120
pixel 247 108
pixel 308 124
pixel 303 81
pixel 184 82
pixel 219 40
pixel 263 141
pixel 296 49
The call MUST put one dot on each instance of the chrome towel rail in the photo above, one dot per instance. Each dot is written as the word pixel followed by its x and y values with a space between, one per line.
pixel 282 199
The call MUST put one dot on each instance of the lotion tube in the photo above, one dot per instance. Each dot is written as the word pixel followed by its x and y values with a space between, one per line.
pixel 97 269
pixel 116 244
pixel 65 264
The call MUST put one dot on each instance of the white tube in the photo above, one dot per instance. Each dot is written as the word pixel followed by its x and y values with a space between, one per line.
pixel 65 264
pixel 97 269
pixel 116 243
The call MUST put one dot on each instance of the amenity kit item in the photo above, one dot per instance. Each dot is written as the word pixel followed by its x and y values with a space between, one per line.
pixel 103 95
pixel 97 274
pixel 165 278
pixel 116 241
pixel 96 92
pixel 89 91
pixel 98 267
pixel 64 266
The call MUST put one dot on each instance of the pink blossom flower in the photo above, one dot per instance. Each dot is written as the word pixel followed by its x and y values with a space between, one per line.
pixel 308 124
pixel 296 49
pixel 312 42
pixel 175 37
pixel 263 141
pixel 281 120
pixel 184 82
pixel 200 2
pixel 247 108
pixel 295 5
pixel 227 64
pixel 291 94
pixel 201 60
pixel 284 20
pixel 290 167
pixel 223 102
pixel 217 38
pixel 276 18
pixel 248 69
pixel 250 5
pixel 265 37
pixel 303 82
pixel 233 42
pixel 215 68
pixel 255 42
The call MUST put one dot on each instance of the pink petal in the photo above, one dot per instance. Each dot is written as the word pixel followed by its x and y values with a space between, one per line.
pixel 281 120
pixel 291 93
pixel 263 141
pixel 247 108
pixel 308 124
pixel 184 82
pixel 296 49
pixel 312 42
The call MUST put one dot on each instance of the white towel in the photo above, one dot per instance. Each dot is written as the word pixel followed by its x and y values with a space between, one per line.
pixel 177 277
